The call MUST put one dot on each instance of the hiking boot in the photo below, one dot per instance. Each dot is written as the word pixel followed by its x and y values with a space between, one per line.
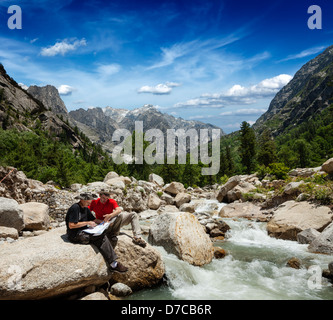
pixel 119 268
pixel 139 241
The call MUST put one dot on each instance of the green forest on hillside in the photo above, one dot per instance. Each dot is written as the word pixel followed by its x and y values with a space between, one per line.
pixel 46 158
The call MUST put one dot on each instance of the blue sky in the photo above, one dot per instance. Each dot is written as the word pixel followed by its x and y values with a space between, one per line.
pixel 219 61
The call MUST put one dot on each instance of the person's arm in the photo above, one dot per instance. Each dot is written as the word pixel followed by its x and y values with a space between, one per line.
pixel 114 213
pixel 76 225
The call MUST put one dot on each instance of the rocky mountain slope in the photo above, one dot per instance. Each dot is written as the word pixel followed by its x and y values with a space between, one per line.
pixel 23 111
pixel 50 97
pixel 99 124
pixel 306 95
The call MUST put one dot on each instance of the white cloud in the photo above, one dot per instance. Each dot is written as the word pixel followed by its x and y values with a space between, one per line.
pixel 239 95
pixel 304 53
pixel 63 47
pixel 159 89
pixel 65 90
pixel 23 86
pixel 242 112
pixel 108 69
pixel 191 48
pixel 265 88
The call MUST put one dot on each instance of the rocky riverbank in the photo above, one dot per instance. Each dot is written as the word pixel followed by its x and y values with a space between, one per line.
pixel 32 227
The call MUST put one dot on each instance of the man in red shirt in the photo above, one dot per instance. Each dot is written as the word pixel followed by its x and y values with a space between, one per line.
pixel 106 209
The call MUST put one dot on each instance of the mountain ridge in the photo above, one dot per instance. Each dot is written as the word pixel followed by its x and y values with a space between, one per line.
pixel 99 124
pixel 307 94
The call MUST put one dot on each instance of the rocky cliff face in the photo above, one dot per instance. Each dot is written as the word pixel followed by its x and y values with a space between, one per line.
pixel 50 97
pixel 16 103
pixel 23 111
pixel 307 94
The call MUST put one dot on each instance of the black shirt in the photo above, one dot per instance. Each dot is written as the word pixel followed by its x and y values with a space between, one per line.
pixel 77 214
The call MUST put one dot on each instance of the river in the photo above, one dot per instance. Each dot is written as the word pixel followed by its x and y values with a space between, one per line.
pixel 254 269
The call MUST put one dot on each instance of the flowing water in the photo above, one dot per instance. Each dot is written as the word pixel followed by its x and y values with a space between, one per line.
pixel 255 268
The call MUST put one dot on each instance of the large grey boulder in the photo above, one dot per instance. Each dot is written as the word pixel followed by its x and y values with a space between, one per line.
pixel 48 266
pixel 324 242
pixel 156 179
pixel 174 188
pixel 328 166
pixel 145 265
pixel 11 215
pixel 229 185
pixel 181 233
pixel 6 232
pixel 246 210
pixel 307 236
pixel 293 217
pixel 35 215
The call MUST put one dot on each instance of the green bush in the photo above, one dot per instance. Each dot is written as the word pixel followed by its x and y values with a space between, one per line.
pixel 279 170
pixel 323 195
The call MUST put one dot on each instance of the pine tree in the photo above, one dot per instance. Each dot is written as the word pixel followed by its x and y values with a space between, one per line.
pixel 230 168
pixel 267 148
pixel 248 147
pixel 191 173
pixel 302 148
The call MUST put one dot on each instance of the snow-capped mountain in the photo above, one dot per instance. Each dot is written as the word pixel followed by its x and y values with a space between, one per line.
pixel 99 124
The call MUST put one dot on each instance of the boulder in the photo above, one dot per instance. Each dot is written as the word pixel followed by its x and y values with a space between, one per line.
pixel 133 201
pixel 182 198
pixel 294 263
pixel 328 166
pixel 76 187
pixel 180 233
pixel 167 198
pixel 156 179
pixel 96 296
pixel 49 265
pixel 120 290
pixel 6 232
pixel 145 265
pixel 35 215
pixel 219 253
pixel 14 184
pixel 292 188
pixel 95 186
pixel 110 175
pixel 11 215
pixel 231 183
pixel 154 201
pixel 324 242
pixel 307 236
pixel 116 182
pixel 174 188
pixel 293 217
pixel 237 192
pixel 243 210
pixel 304 172
pixel 187 207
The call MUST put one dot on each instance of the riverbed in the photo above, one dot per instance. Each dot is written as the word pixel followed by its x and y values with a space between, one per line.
pixel 255 268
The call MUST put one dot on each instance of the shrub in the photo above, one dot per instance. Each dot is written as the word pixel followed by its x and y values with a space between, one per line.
pixel 279 170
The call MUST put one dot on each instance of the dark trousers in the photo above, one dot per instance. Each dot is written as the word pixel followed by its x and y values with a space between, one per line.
pixel 102 242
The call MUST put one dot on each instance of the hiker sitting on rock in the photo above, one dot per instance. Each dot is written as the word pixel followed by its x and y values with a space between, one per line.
pixel 79 218
pixel 106 209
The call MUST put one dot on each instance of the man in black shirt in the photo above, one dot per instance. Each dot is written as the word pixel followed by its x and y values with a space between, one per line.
pixel 79 218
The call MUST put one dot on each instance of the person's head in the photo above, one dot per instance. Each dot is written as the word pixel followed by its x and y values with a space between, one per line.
pixel 86 198
pixel 104 195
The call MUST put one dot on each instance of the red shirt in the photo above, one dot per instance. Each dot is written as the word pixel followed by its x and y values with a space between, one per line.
pixel 101 209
